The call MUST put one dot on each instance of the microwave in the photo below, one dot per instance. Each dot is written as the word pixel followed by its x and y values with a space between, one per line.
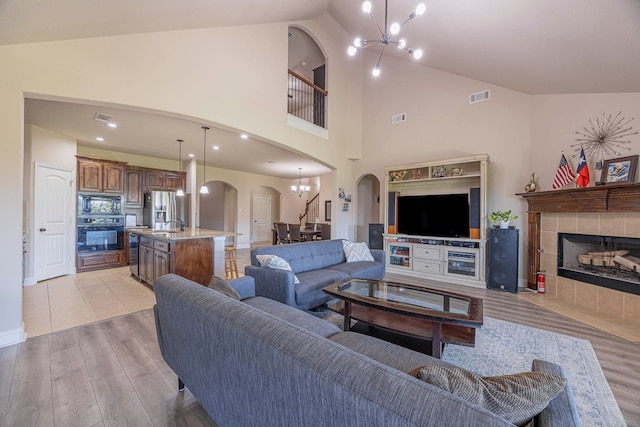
pixel 99 204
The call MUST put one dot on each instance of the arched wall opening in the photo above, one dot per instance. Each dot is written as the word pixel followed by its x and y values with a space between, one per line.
pixel 367 205
pixel 219 208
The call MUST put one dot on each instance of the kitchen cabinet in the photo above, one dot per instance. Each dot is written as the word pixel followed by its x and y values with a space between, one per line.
pixel 154 259
pixel 174 181
pixel 195 254
pixel 134 188
pixel 160 180
pixel 87 261
pixel 100 176
pixel 154 180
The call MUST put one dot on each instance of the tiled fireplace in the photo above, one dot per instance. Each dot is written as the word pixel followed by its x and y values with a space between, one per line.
pixel 611 210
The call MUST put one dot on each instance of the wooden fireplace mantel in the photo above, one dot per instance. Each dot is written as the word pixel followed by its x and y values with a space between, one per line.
pixel 603 198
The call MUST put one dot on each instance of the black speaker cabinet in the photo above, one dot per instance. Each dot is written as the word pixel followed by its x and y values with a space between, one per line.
pixel 375 236
pixel 503 259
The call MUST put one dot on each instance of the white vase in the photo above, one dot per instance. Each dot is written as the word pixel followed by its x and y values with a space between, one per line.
pixel 504 224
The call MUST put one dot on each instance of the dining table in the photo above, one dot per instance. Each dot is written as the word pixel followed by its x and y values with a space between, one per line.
pixel 310 234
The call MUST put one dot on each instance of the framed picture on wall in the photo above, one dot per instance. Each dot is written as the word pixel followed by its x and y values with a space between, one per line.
pixel 619 171
pixel 327 210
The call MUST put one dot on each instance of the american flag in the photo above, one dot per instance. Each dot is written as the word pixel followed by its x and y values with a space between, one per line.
pixel 564 174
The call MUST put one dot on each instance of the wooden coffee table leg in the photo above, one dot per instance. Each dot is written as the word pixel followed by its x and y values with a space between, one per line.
pixel 347 316
pixel 436 343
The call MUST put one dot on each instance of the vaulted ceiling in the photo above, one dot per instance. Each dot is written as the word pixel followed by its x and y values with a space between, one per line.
pixel 532 46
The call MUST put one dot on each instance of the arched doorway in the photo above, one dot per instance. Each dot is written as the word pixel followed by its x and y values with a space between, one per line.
pixel 368 206
pixel 219 208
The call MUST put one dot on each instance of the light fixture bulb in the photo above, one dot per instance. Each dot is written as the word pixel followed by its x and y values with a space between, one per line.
pixel 357 42
pixel 417 54
pixel 395 28
pixel 351 51
pixel 204 189
pixel 112 125
pixel 420 9
pixel 99 139
pixel 244 136
pixel 376 71
pixel 366 7
pixel 402 43
pixel 180 193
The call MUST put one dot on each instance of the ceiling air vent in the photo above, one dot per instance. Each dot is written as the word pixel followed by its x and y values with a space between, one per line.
pixel 101 117
pixel 398 118
pixel 485 95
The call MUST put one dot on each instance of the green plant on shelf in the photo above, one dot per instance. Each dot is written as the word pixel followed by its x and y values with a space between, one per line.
pixel 499 218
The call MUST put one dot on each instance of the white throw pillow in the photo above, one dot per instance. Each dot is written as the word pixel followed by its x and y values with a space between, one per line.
pixel 355 252
pixel 274 261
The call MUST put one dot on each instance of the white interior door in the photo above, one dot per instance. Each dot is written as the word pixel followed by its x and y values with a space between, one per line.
pixel 261 226
pixel 53 223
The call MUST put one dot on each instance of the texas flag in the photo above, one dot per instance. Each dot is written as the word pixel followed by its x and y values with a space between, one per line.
pixel 582 171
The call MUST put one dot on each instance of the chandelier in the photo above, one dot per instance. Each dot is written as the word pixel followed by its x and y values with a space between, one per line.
pixel 386 35
pixel 300 189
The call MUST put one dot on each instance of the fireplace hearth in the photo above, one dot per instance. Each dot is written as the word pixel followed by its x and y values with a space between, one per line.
pixel 607 261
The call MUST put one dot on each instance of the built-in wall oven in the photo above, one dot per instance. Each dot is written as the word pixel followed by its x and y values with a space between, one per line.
pixel 100 233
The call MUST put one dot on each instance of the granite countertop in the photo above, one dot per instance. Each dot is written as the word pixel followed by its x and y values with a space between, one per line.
pixel 189 233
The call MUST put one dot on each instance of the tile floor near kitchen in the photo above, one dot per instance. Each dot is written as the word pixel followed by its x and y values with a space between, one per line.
pixel 77 299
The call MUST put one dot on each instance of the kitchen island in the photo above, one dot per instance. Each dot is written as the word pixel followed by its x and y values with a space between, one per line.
pixel 195 253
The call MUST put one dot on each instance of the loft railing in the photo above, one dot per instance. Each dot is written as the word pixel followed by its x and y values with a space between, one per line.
pixel 311 210
pixel 306 100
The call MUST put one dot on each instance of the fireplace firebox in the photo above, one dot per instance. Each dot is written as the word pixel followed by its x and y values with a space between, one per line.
pixel 607 261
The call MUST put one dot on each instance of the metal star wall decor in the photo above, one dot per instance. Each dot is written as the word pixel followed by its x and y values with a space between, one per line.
pixel 604 137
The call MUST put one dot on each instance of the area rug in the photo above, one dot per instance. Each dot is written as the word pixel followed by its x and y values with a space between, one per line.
pixel 505 347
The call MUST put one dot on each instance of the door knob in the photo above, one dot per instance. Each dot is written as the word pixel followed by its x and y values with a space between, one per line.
pixel 43 229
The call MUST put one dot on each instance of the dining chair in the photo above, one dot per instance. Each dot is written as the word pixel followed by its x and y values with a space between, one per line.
pixel 325 232
pixel 294 233
pixel 283 233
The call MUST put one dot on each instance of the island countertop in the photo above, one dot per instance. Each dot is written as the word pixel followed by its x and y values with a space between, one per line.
pixel 189 233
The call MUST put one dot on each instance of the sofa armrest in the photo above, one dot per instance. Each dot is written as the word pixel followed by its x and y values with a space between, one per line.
pixel 378 255
pixel 562 410
pixel 244 286
pixel 274 284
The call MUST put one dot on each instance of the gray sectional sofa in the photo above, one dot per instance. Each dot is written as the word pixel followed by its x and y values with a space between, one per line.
pixel 316 265
pixel 258 362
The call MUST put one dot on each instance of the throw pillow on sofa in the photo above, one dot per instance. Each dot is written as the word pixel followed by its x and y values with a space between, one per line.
pixel 218 284
pixel 517 397
pixel 274 261
pixel 355 252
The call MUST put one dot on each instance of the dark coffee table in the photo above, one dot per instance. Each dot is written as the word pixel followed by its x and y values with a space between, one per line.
pixel 416 312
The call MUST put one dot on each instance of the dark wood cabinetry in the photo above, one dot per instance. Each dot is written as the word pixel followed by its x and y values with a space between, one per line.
pixel 154 259
pixel 96 261
pixel 154 180
pixel 100 176
pixel 174 181
pixel 134 188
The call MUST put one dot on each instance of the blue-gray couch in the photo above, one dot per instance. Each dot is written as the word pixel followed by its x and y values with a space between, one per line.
pixel 258 362
pixel 316 264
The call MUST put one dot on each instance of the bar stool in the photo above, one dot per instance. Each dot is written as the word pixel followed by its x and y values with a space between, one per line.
pixel 230 263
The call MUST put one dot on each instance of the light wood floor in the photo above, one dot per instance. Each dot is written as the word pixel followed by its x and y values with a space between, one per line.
pixel 111 372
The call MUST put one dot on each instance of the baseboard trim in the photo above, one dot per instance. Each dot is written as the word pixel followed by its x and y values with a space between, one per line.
pixel 29 281
pixel 15 336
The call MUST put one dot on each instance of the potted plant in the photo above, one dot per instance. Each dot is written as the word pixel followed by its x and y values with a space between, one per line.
pixel 501 218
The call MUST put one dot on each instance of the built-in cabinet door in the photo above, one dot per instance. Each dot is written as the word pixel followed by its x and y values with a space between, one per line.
pixel 174 181
pixel 134 188
pixel 145 264
pixel 113 178
pixel 89 176
pixel 160 264
pixel 155 180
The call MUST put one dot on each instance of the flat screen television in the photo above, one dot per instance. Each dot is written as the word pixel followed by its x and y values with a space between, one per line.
pixel 439 215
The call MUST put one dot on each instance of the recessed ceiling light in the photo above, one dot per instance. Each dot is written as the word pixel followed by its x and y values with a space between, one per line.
pixel 191 155
pixel 215 147
pixel 244 136
pixel 99 139
pixel 112 125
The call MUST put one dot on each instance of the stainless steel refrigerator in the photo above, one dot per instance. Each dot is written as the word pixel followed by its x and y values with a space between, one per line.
pixel 159 209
